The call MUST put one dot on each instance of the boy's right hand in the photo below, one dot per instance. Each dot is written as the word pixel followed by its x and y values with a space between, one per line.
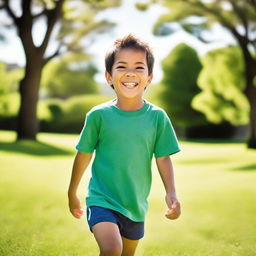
pixel 75 206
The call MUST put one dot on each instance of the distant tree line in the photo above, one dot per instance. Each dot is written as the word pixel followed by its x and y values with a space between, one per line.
pixel 204 97
pixel 191 92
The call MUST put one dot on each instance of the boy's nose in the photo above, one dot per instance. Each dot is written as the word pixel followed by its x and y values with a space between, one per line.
pixel 130 74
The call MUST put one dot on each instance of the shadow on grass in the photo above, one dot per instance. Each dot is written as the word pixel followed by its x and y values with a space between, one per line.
pixel 33 148
pixel 250 167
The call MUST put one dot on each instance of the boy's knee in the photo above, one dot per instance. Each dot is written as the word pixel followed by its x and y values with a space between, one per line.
pixel 111 250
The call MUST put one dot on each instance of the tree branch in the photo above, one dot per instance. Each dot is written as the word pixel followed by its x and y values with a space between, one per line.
pixel 204 40
pixel 24 25
pixel 26 8
pixel 241 39
pixel 43 12
pixel 56 53
pixel 241 15
pixel 206 9
pixel 52 16
pixel 6 6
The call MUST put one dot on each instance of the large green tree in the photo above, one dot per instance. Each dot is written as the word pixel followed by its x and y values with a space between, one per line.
pixel 180 72
pixel 66 21
pixel 222 83
pixel 237 17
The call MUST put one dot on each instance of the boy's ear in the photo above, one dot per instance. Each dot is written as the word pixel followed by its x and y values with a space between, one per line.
pixel 150 77
pixel 108 78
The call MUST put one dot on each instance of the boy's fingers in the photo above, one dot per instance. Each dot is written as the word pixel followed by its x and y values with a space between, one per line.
pixel 173 213
pixel 170 212
pixel 172 216
pixel 78 213
pixel 176 206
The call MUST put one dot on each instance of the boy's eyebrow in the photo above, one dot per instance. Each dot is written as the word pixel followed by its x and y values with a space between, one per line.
pixel 123 62
pixel 139 62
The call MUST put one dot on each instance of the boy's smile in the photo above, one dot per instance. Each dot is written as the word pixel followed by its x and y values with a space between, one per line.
pixel 129 74
pixel 130 85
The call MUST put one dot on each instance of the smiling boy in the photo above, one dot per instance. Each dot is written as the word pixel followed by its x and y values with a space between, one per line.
pixel 125 133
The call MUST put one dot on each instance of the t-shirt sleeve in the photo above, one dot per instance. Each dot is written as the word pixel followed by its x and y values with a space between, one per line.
pixel 166 140
pixel 89 135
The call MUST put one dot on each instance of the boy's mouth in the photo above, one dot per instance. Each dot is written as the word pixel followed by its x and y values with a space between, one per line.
pixel 130 85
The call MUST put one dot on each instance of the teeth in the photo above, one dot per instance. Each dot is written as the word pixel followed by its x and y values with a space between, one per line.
pixel 129 85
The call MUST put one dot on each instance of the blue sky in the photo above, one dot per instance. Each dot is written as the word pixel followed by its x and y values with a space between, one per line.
pixel 128 20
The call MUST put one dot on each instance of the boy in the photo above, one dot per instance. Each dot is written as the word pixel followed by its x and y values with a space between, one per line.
pixel 125 132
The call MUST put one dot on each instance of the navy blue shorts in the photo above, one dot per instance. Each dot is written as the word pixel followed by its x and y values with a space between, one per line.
pixel 128 228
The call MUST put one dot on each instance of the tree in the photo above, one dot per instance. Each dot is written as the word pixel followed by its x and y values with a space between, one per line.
pixel 180 72
pixel 222 83
pixel 66 20
pixel 70 75
pixel 238 17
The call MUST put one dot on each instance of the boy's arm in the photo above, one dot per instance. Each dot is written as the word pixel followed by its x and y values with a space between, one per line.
pixel 81 162
pixel 165 169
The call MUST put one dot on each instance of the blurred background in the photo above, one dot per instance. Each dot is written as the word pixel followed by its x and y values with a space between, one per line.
pixel 52 73
pixel 52 63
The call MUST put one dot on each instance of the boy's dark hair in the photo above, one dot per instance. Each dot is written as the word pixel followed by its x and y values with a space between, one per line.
pixel 131 42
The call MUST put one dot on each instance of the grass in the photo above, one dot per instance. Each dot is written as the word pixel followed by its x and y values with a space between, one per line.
pixel 215 183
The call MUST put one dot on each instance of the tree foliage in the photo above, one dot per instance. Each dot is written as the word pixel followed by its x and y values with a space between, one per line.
pixel 239 17
pixel 222 83
pixel 3 78
pixel 9 78
pixel 68 76
pixel 180 72
pixel 8 89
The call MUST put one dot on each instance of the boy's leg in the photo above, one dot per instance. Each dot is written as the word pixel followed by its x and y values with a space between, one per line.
pixel 129 246
pixel 108 238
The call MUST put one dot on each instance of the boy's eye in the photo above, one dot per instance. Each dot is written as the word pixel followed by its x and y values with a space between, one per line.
pixel 140 68
pixel 120 67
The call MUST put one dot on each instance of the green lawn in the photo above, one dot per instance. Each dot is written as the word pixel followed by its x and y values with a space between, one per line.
pixel 216 184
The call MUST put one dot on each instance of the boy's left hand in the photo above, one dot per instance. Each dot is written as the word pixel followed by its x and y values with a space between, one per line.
pixel 174 207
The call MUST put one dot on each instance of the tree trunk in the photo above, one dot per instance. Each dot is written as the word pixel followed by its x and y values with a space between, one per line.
pixel 251 143
pixel 250 92
pixel 27 126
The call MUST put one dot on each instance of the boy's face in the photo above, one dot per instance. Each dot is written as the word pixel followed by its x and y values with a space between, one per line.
pixel 129 74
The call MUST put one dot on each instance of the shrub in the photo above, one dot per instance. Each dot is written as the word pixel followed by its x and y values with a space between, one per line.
pixel 68 116
pixel 9 104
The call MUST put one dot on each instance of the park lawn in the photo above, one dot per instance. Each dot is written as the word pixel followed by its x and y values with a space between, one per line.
pixel 215 184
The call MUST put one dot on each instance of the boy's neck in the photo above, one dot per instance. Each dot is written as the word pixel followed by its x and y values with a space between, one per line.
pixel 129 105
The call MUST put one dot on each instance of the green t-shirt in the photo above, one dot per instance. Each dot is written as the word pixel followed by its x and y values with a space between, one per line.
pixel 125 143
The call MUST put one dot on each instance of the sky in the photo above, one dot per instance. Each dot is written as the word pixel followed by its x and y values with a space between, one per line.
pixel 128 20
